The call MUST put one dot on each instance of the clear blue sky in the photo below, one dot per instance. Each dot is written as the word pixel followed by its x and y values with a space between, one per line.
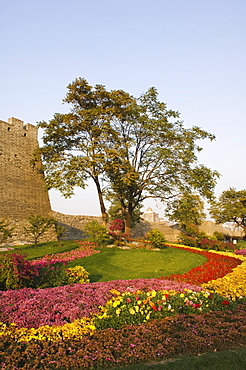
pixel 192 51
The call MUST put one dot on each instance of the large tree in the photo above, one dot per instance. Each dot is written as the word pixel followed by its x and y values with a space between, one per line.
pixel 138 147
pixel 186 210
pixel 230 207
pixel 77 144
pixel 156 157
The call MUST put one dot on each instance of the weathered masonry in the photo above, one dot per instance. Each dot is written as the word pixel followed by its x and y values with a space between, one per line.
pixel 22 191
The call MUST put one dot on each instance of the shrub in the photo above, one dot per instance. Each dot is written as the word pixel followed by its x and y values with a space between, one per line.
pixel 38 226
pixel 216 245
pixel 5 231
pixel 191 241
pixel 76 275
pixel 16 272
pixel 59 230
pixel 156 238
pixel 116 228
pixel 97 233
pixel 218 236
pixel 50 274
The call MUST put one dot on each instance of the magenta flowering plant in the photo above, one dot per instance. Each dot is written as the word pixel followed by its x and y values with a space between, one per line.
pixel 116 230
pixel 16 272
pixel 85 249
pixel 241 252
pixel 64 304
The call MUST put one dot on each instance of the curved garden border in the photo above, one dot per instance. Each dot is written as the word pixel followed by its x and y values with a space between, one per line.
pixel 108 347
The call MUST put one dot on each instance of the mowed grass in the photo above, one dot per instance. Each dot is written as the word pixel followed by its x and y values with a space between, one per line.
pixel 43 249
pixel 115 264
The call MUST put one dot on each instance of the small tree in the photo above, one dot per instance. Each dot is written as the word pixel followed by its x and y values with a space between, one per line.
pixel 59 230
pixel 230 207
pixel 39 225
pixel 97 233
pixel 5 230
pixel 156 238
pixel 186 210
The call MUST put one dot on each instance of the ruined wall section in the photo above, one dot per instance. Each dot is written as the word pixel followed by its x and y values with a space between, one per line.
pixel 22 189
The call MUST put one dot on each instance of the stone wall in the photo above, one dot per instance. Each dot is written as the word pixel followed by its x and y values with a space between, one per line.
pixel 74 224
pixel 22 189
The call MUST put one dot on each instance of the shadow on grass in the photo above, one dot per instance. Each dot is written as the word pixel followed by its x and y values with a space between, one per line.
pixel 225 360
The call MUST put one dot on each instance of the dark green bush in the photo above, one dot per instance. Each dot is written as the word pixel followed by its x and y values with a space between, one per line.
pixel 97 233
pixel 156 238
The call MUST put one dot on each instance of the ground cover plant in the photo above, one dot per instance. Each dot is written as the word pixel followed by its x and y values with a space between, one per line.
pixel 60 324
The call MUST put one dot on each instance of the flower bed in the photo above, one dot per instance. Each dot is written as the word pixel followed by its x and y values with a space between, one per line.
pixel 218 265
pixel 32 308
pixel 59 323
pixel 86 249
pixel 152 341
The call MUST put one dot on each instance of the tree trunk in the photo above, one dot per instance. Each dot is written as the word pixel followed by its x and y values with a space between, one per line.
pixel 101 201
pixel 128 219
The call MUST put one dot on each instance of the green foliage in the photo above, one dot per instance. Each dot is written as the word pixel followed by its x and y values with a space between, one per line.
pixel 191 241
pixel 39 225
pixel 15 272
pixel 193 230
pixel 230 207
pixel 156 238
pixel 137 146
pixel 59 230
pixel 115 211
pixel 50 275
pixel 140 307
pixel 216 245
pixel 97 233
pixel 5 230
pixel 77 275
pixel 195 238
pixel 218 236
pixel 186 210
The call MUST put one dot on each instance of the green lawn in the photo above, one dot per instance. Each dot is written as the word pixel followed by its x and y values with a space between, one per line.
pixel 242 244
pixel 43 248
pixel 115 263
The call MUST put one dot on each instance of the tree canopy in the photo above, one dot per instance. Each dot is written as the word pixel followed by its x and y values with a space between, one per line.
pixel 186 210
pixel 230 207
pixel 135 146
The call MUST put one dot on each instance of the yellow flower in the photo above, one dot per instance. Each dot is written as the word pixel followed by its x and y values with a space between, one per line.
pixel 132 312
pixel 118 311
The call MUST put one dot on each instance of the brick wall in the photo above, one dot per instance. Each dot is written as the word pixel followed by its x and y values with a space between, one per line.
pixel 21 187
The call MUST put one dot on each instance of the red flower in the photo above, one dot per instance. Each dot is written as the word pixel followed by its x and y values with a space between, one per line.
pixel 225 302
